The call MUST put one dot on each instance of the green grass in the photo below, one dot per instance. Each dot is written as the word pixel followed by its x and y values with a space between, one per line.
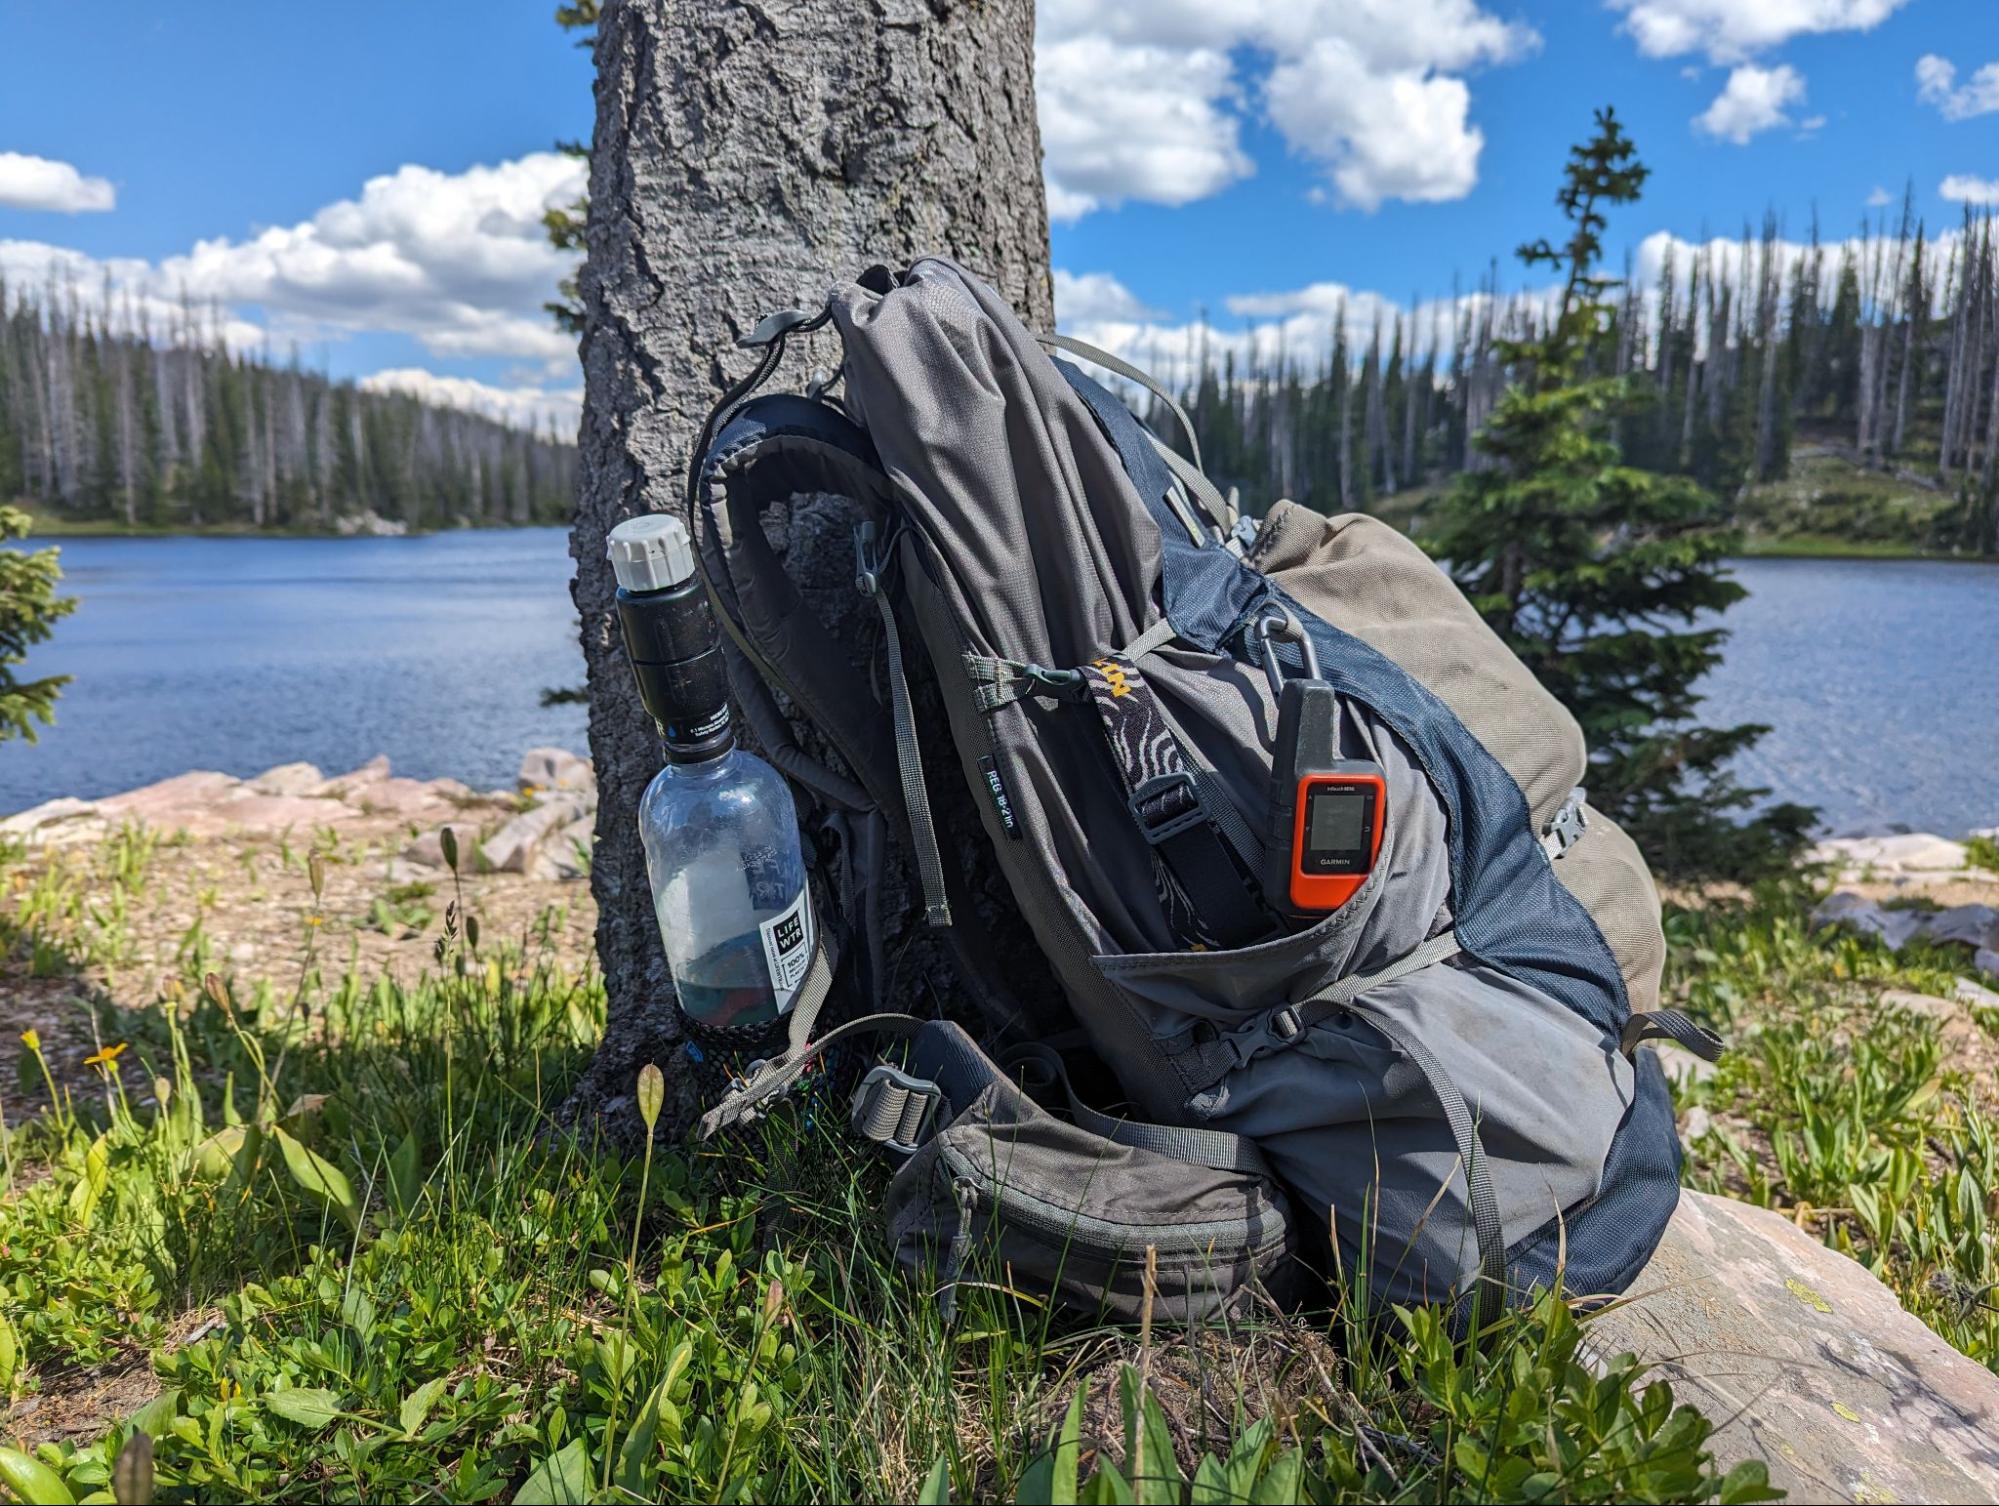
pixel 1854 1117
pixel 1829 507
pixel 336 1230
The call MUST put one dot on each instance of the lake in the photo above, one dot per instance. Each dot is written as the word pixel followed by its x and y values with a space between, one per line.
pixel 1880 678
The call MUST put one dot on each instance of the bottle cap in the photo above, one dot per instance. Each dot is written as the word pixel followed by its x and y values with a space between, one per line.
pixel 651 552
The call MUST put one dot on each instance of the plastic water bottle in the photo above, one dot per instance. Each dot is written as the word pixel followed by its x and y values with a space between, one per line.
pixel 718 823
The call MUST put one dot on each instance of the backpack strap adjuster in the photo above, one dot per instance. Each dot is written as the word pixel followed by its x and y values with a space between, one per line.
pixel 1166 805
pixel 894 1109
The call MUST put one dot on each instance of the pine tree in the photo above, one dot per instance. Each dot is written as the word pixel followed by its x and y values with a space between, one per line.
pixel 29 608
pixel 1597 573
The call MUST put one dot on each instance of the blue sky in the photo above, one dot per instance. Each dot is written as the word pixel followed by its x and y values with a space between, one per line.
pixel 365 179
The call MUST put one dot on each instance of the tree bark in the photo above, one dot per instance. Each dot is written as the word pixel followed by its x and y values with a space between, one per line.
pixel 745 157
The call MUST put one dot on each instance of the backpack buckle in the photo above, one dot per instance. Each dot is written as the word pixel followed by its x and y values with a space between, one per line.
pixel 1166 805
pixel 870 563
pixel 894 1109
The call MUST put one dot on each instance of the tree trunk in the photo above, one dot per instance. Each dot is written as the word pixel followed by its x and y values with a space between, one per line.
pixel 746 157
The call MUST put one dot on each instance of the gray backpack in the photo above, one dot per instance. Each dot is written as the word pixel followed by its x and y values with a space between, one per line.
pixel 1442 1074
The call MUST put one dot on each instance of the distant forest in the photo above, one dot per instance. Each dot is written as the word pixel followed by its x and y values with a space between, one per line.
pixel 106 417
pixel 1883 351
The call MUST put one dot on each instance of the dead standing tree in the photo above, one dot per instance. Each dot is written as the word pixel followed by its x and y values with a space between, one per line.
pixel 744 158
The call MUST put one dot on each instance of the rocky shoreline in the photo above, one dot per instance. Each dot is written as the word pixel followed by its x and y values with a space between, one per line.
pixel 543 828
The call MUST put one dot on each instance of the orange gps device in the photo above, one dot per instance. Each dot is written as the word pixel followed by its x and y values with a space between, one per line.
pixel 1327 813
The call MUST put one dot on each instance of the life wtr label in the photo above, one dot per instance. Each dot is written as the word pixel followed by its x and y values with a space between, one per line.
pixel 788 947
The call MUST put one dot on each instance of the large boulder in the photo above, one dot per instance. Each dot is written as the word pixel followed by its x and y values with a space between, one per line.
pixel 512 848
pixel 1896 928
pixel 1805 1361
pixel 1906 853
pixel 556 769
pixel 56 823
pixel 289 779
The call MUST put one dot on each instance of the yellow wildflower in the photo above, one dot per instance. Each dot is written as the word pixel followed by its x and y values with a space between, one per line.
pixel 32 1041
pixel 106 1056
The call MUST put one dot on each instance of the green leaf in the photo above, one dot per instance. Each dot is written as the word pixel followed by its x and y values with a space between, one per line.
pixel 937 1489
pixel 1061 1462
pixel 1748 1482
pixel 638 1455
pixel 1155 1470
pixel 31 1480
pixel 1283 1482
pixel 308 1406
pixel 320 1177
pixel 562 1479
pixel 1106 1488
pixel 10 1357
pixel 405 1173
pixel 232 1150
pixel 157 1416
pixel 416 1406
pixel 83 1197
pixel 1211 1484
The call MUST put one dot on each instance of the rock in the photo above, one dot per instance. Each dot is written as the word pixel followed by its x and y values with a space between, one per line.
pixel 428 849
pixel 1805 1361
pixel 1956 1028
pixel 1976 994
pixel 57 823
pixel 1858 913
pixel 1908 852
pixel 342 785
pixel 170 798
pixel 1682 1067
pixel 289 779
pixel 245 810
pixel 1972 925
pixel 402 871
pixel 418 800
pixel 569 849
pixel 556 769
pixel 509 849
pixel 1697 1121
pixel 1986 960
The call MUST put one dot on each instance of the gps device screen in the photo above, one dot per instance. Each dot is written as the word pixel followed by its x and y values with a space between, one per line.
pixel 1339 827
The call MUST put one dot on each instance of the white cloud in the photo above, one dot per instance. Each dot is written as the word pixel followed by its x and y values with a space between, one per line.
pixel 1880 198
pixel 1401 135
pixel 1754 99
pixel 1963 188
pixel 1936 84
pixel 459 262
pixel 524 407
pixel 40 183
pixel 1090 296
pixel 137 299
pixel 1134 122
pixel 1144 102
pixel 1728 31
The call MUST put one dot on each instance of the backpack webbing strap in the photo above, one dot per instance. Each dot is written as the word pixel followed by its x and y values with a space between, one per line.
pixel 908 753
pixel 1209 898
pixel 1131 373
pixel 1294 1019
pixel 1671 1025
pixel 1216 1149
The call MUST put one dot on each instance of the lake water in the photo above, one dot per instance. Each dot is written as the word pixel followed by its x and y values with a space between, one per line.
pixel 240 653
pixel 1879 678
